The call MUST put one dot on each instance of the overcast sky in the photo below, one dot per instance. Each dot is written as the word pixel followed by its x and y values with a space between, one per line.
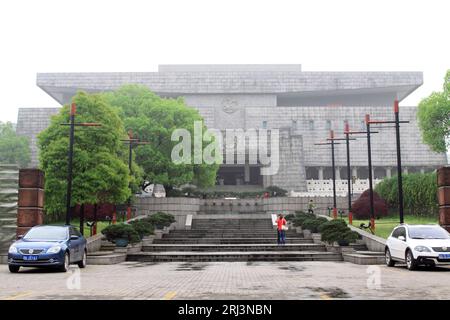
pixel 83 36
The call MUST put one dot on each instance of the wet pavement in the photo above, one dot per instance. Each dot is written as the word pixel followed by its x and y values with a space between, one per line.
pixel 225 280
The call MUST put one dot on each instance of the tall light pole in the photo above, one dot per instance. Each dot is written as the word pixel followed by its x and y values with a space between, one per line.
pixel 72 125
pixel 131 142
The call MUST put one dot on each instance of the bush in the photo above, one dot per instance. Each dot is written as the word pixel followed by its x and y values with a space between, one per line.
pixel 142 227
pixel 299 218
pixel 361 207
pixel 313 224
pixel 121 231
pixel 276 191
pixel 289 217
pixel 419 192
pixel 160 220
pixel 337 231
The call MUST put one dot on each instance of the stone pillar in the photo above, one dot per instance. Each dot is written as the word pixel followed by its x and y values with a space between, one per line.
pixel 388 172
pixel 443 181
pixel 355 172
pixel 422 170
pixel 246 173
pixel 9 176
pixel 320 173
pixel 31 200
pixel 338 173
pixel 405 170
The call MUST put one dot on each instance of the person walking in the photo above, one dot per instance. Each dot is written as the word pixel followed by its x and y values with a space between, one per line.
pixel 311 206
pixel 281 229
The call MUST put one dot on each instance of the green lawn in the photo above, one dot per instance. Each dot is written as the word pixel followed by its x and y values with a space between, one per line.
pixel 76 223
pixel 384 226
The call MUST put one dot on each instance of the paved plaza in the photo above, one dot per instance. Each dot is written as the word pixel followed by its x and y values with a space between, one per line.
pixel 221 280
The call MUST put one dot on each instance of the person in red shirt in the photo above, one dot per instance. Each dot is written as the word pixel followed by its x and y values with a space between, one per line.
pixel 281 226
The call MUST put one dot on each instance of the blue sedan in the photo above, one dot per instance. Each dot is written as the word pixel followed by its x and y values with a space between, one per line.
pixel 48 246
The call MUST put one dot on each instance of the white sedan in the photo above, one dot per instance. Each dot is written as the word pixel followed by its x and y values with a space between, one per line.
pixel 418 245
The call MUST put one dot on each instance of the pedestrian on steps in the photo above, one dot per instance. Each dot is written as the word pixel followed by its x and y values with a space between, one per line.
pixel 281 229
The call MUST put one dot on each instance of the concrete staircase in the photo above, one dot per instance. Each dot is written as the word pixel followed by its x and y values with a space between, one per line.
pixel 231 239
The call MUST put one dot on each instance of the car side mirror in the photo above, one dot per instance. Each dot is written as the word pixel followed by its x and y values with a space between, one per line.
pixel 401 238
pixel 19 237
pixel 74 237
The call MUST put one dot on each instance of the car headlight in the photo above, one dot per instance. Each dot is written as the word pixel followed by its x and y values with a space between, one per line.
pixel 12 249
pixel 422 249
pixel 54 249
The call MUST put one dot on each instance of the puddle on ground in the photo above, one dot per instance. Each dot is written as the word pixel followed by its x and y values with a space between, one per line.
pixel 142 264
pixel 188 266
pixel 292 268
pixel 331 292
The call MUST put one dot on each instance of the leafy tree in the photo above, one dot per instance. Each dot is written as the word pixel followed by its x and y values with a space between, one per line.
pixel 153 119
pixel 100 169
pixel 419 192
pixel 434 118
pixel 13 148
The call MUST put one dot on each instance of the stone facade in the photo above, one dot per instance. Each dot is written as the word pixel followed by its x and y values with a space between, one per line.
pixel 303 105
pixel 9 184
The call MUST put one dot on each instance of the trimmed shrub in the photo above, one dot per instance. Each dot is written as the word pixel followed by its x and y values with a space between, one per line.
pixel 121 231
pixel 361 207
pixel 299 218
pixel 160 219
pixel 337 231
pixel 313 224
pixel 142 227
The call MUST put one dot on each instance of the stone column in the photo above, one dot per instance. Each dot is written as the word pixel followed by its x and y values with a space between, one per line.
pixel 355 172
pixel 338 173
pixel 422 170
pixel 443 181
pixel 405 170
pixel 388 172
pixel 320 173
pixel 247 173
pixel 31 200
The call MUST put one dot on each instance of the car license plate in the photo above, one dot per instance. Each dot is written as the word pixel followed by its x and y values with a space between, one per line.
pixel 444 256
pixel 30 258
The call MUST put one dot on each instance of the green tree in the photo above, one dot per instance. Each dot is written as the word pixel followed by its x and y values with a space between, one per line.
pixel 13 148
pixel 100 169
pixel 153 119
pixel 434 118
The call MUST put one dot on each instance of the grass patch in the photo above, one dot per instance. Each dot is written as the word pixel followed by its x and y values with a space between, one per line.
pixel 76 223
pixel 384 226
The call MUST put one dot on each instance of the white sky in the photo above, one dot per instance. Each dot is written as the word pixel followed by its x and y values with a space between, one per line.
pixel 131 35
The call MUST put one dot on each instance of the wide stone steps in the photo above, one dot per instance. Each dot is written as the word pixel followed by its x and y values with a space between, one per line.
pixel 182 256
pixel 270 235
pixel 232 247
pixel 228 240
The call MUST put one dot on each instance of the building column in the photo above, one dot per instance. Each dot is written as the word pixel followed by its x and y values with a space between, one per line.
pixel 338 173
pixel 246 173
pixel 405 170
pixel 388 172
pixel 422 170
pixel 320 173
pixel 355 172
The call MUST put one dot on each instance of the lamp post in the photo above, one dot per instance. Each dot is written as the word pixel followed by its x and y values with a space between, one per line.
pixel 72 125
pixel 131 142
pixel 396 123
pixel 332 144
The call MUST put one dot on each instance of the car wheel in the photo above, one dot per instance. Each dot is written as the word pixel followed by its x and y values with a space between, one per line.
pixel 65 266
pixel 411 263
pixel 82 263
pixel 13 269
pixel 389 261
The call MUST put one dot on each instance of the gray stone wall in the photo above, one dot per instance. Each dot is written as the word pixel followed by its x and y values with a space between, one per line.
pixel 30 122
pixel 9 185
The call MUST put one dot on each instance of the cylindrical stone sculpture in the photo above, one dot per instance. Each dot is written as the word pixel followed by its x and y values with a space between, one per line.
pixel 443 181
pixel 31 200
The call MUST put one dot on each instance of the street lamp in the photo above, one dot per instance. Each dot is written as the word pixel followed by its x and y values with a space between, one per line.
pixel 131 142
pixel 72 124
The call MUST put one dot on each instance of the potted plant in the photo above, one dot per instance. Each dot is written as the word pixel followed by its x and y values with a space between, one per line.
pixel 121 234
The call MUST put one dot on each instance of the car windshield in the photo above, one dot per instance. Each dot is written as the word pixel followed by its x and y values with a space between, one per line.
pixel 46 234
pixel 428 233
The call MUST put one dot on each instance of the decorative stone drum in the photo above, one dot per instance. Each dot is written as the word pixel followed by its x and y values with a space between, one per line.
pixel 443 181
